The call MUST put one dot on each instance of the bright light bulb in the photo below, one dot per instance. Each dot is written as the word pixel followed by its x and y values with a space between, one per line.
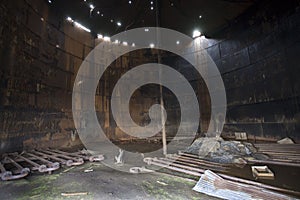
pixel 119 24
pixel 146 29
pixel 151 45
pixel 196 33
pixel 133 44
pixel 177 42
pixel 129 2
pixel 106 38
pixel 99 36
pixel 151 8
pixel 125 43
pixel 92 6
pixel 82 27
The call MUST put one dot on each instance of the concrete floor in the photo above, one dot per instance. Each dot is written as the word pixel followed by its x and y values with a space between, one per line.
pixel 101 183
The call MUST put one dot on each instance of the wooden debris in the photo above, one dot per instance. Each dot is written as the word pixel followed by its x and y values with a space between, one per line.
pixel 240 135
pixel 262 172
pixel 88 170
pixel 162 183
pixel 73 194
pixel 280 154
pixel 285 141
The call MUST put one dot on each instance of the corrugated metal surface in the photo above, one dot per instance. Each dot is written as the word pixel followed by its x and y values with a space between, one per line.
pixel 214 185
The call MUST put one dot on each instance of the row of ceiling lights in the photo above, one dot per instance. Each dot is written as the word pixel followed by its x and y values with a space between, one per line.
pixel 151 4
pixel 92 7
pixel 107 38
pixel 196 33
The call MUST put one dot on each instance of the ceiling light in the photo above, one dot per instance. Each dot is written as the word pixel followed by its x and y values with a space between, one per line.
pixel 196 33
pixel 151 45
pixel 99 36
pixel 106 38
pixel 116 41
pixel 133 45
pixel 125 43
pixel 151 2
pixel 152 8
pixel 82 27
pixel 102 15
pixel 49 1
pixel 177 42
pixel 146 29
pixel 69 19
pixel 129 2
pixel 98 12
pixel 119 24
pixel 111 20
pixel 92 6
pixel 200 16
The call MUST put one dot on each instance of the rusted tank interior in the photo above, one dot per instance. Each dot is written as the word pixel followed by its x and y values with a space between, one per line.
pixel 149 99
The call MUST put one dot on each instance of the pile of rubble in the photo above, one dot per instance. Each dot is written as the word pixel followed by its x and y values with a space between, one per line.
pixel 216 149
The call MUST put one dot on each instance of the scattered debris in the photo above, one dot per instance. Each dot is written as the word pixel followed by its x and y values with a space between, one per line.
pixel 214 185
pixel 88 170
pixel 240 135
pixel 285 141
pixel 73 194
pixel 119 158
pixel 162 183
pixel 137 170
pixel 262 172
pixel 35 196
pixel 68 169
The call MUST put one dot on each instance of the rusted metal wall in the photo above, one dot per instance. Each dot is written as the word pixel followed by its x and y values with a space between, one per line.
pixel 258 56
pixel 40 54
